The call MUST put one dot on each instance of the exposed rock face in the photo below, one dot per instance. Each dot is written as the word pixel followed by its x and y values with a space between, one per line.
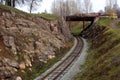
pixel 23 39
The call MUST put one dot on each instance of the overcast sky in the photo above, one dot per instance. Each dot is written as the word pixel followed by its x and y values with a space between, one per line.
pixel 97 5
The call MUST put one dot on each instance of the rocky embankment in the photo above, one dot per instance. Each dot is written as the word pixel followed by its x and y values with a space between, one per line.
pixel 103 61
pixel 27 40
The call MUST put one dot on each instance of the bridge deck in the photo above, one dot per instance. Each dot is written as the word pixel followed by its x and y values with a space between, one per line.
pixel 80 18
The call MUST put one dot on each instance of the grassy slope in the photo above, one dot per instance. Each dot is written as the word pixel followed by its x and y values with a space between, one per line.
pixel 105 22
pixel 46 16
pixel 103 62
pixel 22 14
pixel 76 27
pixel 118 24
pixel 7 8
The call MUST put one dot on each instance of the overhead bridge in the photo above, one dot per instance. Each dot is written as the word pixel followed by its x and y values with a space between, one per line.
pixel 83 18
pixel 80 18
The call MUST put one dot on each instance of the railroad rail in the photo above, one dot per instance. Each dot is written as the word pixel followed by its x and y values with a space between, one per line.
pixel 60 70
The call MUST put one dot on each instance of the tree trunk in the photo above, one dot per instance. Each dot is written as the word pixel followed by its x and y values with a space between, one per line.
pixel 1 1
pixel 8 2
pixel 31 6
pixel 13 3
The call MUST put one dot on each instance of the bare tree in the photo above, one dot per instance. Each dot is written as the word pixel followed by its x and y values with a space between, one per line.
pixel 58 7
pixel 73 7
pixel 87 6
pixel 110 3
pixel 65 7
pixel 1 1
pixel 118 12
pixel 55 7
pixel 79 5
pixel 33 4
pixel 11 3
pixel 117 8
pixel 111 6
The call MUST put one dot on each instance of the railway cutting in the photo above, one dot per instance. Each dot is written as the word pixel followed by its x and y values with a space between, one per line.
pixel 62 68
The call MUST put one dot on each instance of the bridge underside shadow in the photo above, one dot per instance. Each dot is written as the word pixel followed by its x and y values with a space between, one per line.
pixel 82 18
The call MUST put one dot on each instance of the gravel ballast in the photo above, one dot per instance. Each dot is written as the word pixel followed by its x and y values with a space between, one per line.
pixel 49 70
pixel 76 67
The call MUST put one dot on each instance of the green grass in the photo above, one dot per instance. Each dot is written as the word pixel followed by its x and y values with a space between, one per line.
pixel 76 28
pixel 105 22
pixel 46 16
pixel 8 8
pixel 24 14
pixel 39 69
pixel 42 67
pixel 103 62
pixel 118 24
pixel 11 9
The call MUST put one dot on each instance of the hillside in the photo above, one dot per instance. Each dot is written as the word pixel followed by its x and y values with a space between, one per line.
pixel 103 62
pixel 28 42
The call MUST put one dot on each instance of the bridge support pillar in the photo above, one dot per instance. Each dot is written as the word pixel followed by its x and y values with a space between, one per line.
pixel 83 24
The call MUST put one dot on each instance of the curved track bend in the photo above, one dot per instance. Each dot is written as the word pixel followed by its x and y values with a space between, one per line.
pixel 60 70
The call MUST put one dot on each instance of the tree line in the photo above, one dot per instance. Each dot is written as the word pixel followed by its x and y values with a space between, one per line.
pixel 12 3
pixel 112 7
pixel 31 3
pixel 74 7
pixel 69 7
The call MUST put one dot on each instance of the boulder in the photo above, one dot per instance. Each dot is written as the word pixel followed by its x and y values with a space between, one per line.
pixel 22 65
pixel 18 78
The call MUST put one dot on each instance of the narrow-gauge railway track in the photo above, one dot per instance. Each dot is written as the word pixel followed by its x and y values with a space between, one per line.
pixel 59 71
